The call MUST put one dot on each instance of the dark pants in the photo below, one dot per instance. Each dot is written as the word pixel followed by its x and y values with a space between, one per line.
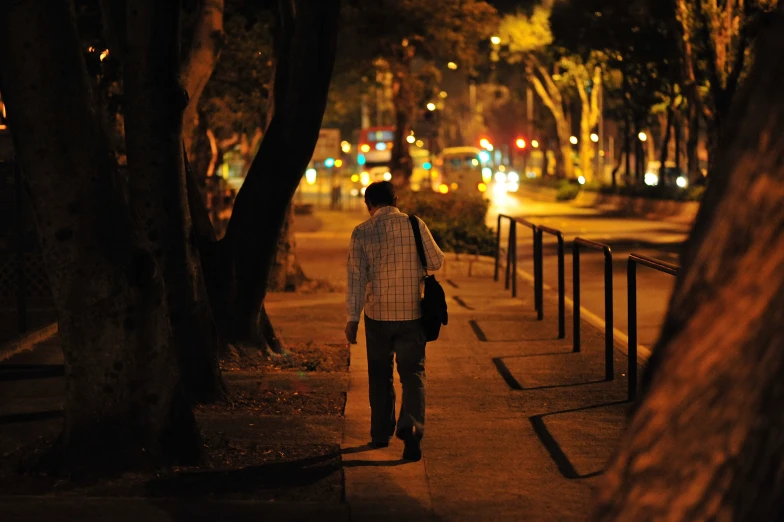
pixel 406 339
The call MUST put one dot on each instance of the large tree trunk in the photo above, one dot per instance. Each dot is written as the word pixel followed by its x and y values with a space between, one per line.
pixel 286 274
pixel 124 404
pixel 155 100
pixel 306 55
pixel 401 166
pixel 692 142
pixel 665 146
pixel 205 50
pixel 551 97
pixel 707 439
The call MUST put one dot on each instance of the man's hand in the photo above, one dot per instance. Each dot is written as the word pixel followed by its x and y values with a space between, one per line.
pixel 351 331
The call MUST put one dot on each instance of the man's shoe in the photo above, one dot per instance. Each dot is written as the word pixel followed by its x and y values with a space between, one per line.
pixel 377 444
pixel 413 448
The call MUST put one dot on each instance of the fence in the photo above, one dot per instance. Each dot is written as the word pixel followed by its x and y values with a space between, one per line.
pixel 578 243
pixel 631 285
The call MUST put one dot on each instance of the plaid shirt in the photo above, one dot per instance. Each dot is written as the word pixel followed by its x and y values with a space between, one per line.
pixel 384 271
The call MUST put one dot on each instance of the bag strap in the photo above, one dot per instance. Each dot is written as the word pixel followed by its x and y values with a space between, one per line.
pixel 418 240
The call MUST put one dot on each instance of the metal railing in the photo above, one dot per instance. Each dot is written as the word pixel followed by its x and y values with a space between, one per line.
pixel 631 285
pixel 609 371
pixel 539 282
pixel 634 260
pixel 511 255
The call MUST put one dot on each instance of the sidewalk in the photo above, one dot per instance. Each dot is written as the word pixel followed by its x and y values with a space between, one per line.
pixel 518 426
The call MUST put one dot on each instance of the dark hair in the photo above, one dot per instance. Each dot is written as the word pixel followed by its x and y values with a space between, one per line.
pixel 380 193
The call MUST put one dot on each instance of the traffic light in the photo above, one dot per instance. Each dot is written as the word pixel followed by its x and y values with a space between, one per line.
pixel 520 143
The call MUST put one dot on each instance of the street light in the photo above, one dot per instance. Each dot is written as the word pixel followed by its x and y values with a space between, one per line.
pixel 534 144
pixel 411 139
pixel 442 95
pixel 345 147
pixel 573 140
pixel 594 137
pixel 431 106
pixel 520 143
pixel 643 137
pixel 452 65
pixel 495 40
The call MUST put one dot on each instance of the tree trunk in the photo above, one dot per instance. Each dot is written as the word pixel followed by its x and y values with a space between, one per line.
pixel 548 92
pixel 665 148
pixel 124 405
pixel 401 165
pixel 306 55
pixel 155 100
pixel 693 141
pixel 205 50
pixel 707 439
pixel 286 274
pixel 678 139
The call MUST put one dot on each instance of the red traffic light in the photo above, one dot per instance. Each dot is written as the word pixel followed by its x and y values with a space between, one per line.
pixel 520 143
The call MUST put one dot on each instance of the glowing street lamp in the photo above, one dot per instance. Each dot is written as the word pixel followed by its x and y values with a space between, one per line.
pixel 345 147
pixel 534 144
pixel 594 137
pixel 495 40
pixel 411 139
pixel 520 143
pixel 431 106
pixel 573 140
pixel 643 137
pixel 452 66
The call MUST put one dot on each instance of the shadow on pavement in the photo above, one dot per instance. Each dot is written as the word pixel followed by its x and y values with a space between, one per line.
pixel 555 450
pixel 482 337
pixel 514 384
pixel 293 473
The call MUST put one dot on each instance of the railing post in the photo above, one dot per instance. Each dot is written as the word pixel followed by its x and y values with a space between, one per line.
pixel 576 295
pixel 509 254
pixel 631 285
pixel 514 259
pixel 561 289
pixel 538 274
pixel 497 248
pixel 609 359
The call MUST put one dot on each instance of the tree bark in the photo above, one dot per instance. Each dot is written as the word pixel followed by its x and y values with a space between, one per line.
pixel 551 97
pixel 124 404
pixel 589 118
pixel 693 141
pixel 205 51
pixel 155 100
pixel 665 146
pixel 306 55
pixel 401 165
pixel 286 274
pixel 707 439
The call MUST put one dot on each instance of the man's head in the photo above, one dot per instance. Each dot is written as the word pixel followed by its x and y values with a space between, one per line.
pixel 380 194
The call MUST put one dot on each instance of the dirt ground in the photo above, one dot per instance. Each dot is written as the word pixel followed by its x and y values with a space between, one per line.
pixel 276 437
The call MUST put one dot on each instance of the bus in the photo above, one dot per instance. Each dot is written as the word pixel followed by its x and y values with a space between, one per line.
pixel 462 169
pixel 375 147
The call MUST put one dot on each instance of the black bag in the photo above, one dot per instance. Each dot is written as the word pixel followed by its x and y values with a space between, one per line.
pixel 434 312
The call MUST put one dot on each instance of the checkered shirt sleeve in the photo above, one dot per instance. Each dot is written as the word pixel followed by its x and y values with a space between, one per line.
pixel 384 271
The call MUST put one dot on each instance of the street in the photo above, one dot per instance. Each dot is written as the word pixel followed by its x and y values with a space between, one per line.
pixel 655 238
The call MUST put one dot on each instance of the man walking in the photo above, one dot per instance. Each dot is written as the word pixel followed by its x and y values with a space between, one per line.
pixel 385 277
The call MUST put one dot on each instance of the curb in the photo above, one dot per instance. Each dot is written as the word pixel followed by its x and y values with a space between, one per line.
pixel 26 341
